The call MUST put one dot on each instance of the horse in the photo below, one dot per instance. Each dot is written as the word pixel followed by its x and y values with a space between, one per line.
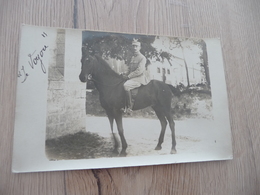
pixel 112 97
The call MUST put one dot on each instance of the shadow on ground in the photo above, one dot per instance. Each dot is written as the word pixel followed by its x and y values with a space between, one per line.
pixel 81 145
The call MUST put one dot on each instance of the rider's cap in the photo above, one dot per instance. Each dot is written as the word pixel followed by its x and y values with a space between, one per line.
pixel 136 42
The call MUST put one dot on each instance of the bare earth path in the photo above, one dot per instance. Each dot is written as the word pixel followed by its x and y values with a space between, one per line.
pixel 195 137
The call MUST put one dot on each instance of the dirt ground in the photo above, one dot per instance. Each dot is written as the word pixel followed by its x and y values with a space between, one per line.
pixel 81 145
pixel 193 136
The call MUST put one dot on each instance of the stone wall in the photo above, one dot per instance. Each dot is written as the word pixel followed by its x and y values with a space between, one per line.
pixel 66 94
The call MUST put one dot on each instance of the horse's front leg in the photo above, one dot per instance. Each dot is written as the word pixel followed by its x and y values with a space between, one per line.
pixel 163 122
pixel 111 120
pixel 119 122
pixel 161 138
pixel 172 126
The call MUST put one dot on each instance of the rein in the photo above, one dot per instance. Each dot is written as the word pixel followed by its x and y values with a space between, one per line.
pixel 90 78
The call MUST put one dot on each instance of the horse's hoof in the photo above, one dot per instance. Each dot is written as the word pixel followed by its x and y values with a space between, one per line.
pixel 115 152
pixel 173 151
pixel 158 147
pixel 122 154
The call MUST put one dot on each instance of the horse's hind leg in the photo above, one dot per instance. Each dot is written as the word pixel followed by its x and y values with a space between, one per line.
pixel 172 126
pixel 163 122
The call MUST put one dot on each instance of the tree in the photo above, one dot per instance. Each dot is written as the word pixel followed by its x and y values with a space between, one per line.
pixel 167 56
pixel 177 43
pixel 204 58
pixel 117 46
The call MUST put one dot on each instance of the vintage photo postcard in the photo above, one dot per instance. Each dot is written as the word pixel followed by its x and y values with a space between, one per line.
pixel 91 99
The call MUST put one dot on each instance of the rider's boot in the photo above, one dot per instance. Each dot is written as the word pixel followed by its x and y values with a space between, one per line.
pixel 130 101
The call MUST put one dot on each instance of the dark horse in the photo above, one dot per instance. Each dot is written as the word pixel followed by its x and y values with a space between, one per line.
pixel 112 96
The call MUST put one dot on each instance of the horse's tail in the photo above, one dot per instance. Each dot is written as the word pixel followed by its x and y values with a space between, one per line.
pixel 175 90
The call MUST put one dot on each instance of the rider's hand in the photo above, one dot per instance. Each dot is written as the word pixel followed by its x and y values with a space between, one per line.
pixel 125 77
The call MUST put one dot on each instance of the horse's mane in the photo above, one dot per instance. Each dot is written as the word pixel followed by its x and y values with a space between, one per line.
pixel 105 66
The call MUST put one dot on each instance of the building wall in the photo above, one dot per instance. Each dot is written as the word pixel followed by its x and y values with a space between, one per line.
pixel 66 94
pixel 175 72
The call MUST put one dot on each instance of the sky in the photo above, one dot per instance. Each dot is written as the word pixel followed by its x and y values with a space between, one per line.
pixel 191 52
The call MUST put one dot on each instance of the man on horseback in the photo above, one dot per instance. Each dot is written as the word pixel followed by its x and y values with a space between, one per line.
pixel 135 76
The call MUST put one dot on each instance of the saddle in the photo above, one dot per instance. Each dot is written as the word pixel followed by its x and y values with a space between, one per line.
pixel 131 103
pixel 134 93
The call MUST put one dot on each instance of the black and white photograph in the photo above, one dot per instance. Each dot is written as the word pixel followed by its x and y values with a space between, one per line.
pixel 97 99
pixel 129 97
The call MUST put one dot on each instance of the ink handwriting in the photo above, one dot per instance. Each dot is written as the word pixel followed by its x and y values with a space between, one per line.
pixel 35 59
pixel 22 73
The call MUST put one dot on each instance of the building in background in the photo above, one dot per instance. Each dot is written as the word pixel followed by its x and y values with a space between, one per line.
pixel 171 72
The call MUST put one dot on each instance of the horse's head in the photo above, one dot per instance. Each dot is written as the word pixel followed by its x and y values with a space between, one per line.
pixel 87 68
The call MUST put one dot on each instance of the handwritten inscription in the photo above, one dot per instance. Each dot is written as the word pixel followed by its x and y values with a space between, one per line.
pixel 22 73
pixel 35 58
pixel 44 34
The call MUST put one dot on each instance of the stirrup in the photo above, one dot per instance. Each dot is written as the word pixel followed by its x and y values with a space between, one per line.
pixel 129 110
pixel 123 109
pixel 126 110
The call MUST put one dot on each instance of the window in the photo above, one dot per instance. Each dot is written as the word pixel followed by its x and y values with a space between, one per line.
pixel 163 70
